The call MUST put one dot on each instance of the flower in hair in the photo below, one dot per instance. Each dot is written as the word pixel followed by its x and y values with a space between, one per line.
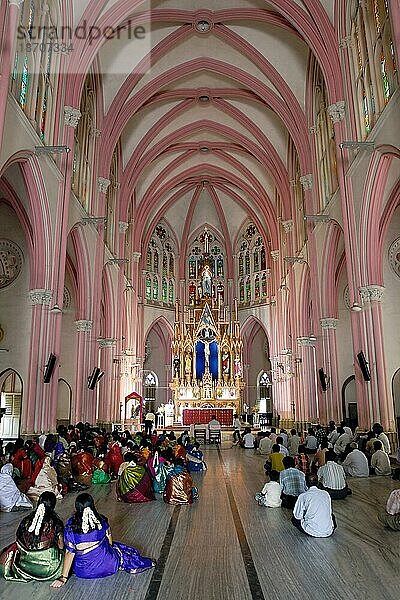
pixel 37 519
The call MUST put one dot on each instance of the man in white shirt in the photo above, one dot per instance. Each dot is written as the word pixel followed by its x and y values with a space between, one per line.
pixel 265 445
pixel 293 443
pixel 270 495
pixel 380 463
pixel 378 430
pixel 236 429
pixel 282 448
pixel 332 477
pixel 356 464
pixel 248 439
pixel 312 513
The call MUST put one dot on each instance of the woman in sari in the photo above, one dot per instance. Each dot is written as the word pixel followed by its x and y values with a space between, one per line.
pixel 38 552
pixel 10 496
pixel 21 461
pixel 89 546
pixel 134 483
pixel 114 458
pixel 179 488
pixel 82 465
pixel 194 458
pixel 46 481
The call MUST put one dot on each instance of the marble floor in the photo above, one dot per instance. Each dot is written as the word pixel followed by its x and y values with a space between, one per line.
pixel 227 547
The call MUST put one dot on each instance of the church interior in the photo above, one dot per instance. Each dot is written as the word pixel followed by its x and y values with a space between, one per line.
pixel 200 215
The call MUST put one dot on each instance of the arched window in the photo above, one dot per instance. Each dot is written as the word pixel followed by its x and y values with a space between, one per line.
pixel 264 393
pixel 84 144
pixel 33 77
pixel 161 248
pixel 252 264
pixel 155 288
pixel 164 290
pixel 150 385
pixel 220 266
pixel 373 64
pixel 256 260
pixel 148 287
pixel 241 266
pixel 196 263
pixel 257 288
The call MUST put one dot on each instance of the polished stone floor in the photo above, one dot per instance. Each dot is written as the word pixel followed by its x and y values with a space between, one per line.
pixel 227 547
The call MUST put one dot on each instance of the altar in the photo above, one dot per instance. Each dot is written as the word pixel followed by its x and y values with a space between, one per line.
pixel 206 347
pixel 204 415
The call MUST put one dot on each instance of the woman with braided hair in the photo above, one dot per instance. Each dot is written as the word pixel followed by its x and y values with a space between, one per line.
pixel 89 546
pixel 38 552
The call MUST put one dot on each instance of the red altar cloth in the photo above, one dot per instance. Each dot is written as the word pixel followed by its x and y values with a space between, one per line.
pixel 203 415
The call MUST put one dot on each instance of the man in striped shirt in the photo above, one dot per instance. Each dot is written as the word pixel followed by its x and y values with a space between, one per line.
pixel 292 482
pixel 332 478
pixel 391 518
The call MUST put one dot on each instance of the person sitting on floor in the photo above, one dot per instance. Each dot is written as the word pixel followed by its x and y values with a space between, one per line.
pixel 46 481
pixel 282 448
pixel 312 513
pixel 10 497
pixel 194 458
pixel 265 445
pixel 380 463
pixel 319 457
pixel 292 482
pixel 38 552
pixel 90 547
pixel 391 517
pixel 248 439
pixel 270 495
pixel 274 461
pixel 179 488
pixel 293 443
pixel 332 478
pixel 311 443
pixel 302 460
pixel 381 436
pixel 341 442
pixel 134 483
pixel 355 463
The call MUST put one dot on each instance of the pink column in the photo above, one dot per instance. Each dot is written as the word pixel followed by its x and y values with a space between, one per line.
pixel 34 413
pixel 7 55
pixel 330 409
pixel 107 406
pixel 82 394
pixel 306 409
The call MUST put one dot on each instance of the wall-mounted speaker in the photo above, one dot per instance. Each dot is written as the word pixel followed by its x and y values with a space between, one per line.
pixel 95 376
pixel 49 368
pixel 362 361
pixel 322 379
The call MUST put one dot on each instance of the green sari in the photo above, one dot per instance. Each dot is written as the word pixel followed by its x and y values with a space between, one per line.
pixel 24 565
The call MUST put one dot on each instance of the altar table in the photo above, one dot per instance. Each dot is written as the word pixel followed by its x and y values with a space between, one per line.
pixel 204 415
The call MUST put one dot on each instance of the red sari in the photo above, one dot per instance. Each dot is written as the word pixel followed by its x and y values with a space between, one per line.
pixel 21 462
pixel 82 467
pixel 114 458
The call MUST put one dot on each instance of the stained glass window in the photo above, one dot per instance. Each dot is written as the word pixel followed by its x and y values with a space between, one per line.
pixel 155 288
pixel 192 267
pixel 241 269
pixel 171 266
pixel 156 262
pixel 171 293
pixel 212 265
pixel 248 290
pixel 24 83
pixel 256 261
pixel 257 288
pixel 32 11
pixel 247 263
pixel 148 287
pixel 241 291
pixel 148 260
pixel 385 81
pixel 264 286
pixel 366 113
pixel 220 266
pixel 164 291
pixel 263 260
pixel 165 264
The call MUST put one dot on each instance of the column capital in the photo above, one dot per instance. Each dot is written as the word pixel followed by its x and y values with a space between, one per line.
pixel 275 255
pixel 306 342
pixel 16 3
pixel 136 256
pixel 123 226
pixel 329 323
pixel 71 116
pixel 103 184
pixel 337 111
pixel 313 129
pixel 287 225
pixel 107 343
pixel 347 42
pixel 306 181
pixel 40 296
pixel 84 325
pixel 372 293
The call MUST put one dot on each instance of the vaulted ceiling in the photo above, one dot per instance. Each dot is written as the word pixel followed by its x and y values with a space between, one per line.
pixel 207 104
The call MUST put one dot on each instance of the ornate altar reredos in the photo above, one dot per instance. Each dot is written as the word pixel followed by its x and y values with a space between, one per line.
pixel 206 353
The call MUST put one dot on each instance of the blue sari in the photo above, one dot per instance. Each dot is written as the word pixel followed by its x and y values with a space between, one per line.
pixel 103 559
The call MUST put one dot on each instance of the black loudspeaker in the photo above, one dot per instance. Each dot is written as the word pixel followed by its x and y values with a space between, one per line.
pixel 49 368
pixel 322 379
pixel 96 375
pixel 362 361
